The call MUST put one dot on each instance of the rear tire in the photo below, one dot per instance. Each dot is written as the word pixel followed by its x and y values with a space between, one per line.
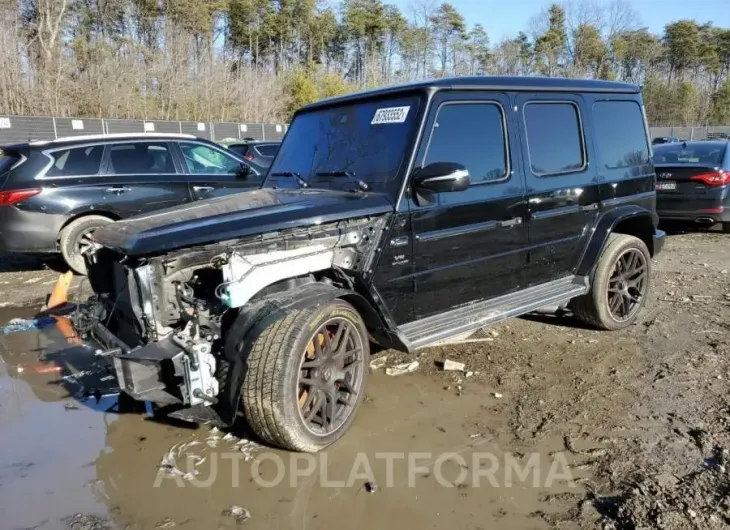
pixel 618 290
pixel 295 394
pixel 73 240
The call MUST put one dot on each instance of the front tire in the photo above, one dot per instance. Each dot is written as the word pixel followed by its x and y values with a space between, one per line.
pixel 306 376
pixel 619 285
pixel 74 239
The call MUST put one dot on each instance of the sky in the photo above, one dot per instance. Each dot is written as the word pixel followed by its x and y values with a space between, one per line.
pixel 505 18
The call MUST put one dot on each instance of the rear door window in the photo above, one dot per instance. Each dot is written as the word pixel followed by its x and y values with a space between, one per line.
pixel 620 135
pixel 203 160
pixel 141 158
pixel 554 138
pixel 76 161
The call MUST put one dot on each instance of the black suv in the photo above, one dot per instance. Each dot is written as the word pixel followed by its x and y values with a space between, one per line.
pixel 489 198
pixel 53 195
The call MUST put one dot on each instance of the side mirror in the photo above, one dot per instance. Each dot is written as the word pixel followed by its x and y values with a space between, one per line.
pixel 244 171
pixel 442 177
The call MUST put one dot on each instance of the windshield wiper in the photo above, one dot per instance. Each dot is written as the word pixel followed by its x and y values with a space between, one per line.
pixel 302 183
pixel 349 174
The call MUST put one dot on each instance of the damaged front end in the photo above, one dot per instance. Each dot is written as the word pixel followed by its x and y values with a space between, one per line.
pixel 164 319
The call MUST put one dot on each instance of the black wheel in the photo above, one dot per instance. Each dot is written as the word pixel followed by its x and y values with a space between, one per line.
pixel 619 284
pixel 306 376
pixel 75 239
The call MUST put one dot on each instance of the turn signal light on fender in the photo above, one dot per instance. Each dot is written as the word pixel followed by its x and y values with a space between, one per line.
pixel 8 198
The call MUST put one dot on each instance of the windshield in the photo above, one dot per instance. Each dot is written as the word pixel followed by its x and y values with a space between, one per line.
pixel 689 153
pixel 368 140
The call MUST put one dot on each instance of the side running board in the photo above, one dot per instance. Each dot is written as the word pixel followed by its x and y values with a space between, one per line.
pixel 438 328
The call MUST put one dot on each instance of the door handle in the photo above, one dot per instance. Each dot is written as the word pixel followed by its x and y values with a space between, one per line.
pixel 118 190
pixel 511 222
pixel 589 207
pixel 203 188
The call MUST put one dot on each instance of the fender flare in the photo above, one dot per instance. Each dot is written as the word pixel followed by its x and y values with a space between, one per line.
pixel 603 228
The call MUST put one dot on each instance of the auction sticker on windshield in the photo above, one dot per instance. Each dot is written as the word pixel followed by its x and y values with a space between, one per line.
pixel 390 115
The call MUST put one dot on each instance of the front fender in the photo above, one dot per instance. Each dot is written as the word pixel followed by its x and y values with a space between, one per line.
pixel 606 225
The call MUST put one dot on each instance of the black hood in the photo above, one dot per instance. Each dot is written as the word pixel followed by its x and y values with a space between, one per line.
pixel 235 216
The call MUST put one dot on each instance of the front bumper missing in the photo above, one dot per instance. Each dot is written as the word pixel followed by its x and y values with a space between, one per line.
pixel 153 372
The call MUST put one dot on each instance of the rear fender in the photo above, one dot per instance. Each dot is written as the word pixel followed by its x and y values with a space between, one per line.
pixel 630 219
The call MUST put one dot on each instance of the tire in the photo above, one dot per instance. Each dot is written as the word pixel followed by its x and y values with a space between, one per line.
pixel 726 227
pixel 71 237
pixel 275 388
pixel 595 307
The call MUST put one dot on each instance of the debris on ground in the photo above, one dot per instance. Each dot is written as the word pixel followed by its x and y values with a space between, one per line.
pixel 371 487
pixel 239 513
pixel 452 366
pixel 378 363
pixel 24 324
pixel 83 521
pixel 401 369
pixel 497 395
pixel 701 499
pixel 70 406
pixel 166 523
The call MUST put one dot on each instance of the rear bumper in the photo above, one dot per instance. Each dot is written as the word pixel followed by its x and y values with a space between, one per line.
pixel 22 231
pixel 659 239
pixel 706 209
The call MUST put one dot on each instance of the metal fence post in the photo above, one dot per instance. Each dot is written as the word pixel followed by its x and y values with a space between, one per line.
pixel 263 132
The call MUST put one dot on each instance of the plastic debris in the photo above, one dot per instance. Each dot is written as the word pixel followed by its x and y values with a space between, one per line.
pixel 70 406
pixel 401 369
pixel 378 362
pixel 453 366
pixel 239 513
pixel 21 324
pixel 497 395
pixel 371 487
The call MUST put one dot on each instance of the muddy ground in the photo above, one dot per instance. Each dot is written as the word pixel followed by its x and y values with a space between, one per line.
pixel 581 429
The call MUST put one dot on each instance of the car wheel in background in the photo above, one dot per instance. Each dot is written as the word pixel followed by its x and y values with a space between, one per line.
pixel 75 239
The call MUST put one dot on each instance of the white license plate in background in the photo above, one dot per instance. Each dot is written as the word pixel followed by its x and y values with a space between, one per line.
pixel 667 185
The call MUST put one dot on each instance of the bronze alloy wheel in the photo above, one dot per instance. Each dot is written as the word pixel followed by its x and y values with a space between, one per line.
pixel 330 376
pixel 627 284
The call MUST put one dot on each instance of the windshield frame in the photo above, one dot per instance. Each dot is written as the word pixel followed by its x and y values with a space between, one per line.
pixel 394 182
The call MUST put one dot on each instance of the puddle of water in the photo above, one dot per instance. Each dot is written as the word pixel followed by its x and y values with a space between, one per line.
pixel 56 462
pixel 45 450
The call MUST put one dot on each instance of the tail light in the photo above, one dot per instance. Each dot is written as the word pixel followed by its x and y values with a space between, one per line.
pixel 715 178
pixel 8 198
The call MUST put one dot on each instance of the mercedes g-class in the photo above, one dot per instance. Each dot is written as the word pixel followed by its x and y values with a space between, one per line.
pixel 401 217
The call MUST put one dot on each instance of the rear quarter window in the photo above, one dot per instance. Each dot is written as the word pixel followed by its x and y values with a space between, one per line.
pixel 620 136
pixel 7 160
pixel 268 150
pixel 77 161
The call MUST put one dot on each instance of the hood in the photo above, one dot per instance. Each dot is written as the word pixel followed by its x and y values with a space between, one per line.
pixel 236 216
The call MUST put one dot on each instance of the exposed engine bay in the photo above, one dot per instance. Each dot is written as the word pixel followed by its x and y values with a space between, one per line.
pixel 164 318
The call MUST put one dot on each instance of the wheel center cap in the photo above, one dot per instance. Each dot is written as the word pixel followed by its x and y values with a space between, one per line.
pixel 326 373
